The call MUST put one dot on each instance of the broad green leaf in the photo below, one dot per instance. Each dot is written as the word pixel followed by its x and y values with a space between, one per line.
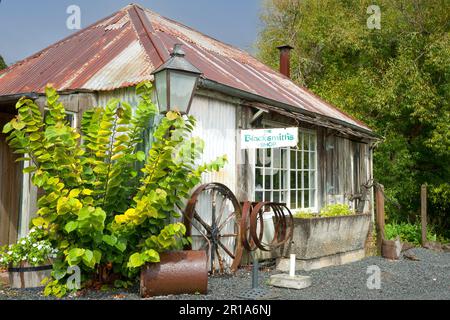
pixel 135 261
pixel 121 246
pixel 74 193
pixel 71 226
pixel 29 169
pixel 88 258
pixel 109 239
pixel 140 155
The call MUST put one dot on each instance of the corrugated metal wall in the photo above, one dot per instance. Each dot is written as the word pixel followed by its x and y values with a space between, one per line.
pixel 216 125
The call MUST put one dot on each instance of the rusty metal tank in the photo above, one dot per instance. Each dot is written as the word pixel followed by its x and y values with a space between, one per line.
pixel 179 272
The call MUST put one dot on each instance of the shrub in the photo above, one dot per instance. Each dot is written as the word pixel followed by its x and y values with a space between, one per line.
pixel 331 210
pixel 411 233
pixel 335 210
pixel 100 212
pixel 305 215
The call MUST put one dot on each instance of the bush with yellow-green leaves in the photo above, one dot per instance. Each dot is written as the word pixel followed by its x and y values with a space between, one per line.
pixel 98 209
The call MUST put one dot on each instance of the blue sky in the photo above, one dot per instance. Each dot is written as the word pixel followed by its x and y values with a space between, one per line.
pixel 29 26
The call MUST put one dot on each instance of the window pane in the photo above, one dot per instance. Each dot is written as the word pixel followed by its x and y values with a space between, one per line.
pixel 260 157
pixel 299 160
pixel 276 179
pixel 299 180
pixel 276 196
pixel 70 119
pixel 306 199
pixel 306 142
pixel 267 196
pixel 268 158
pixel 267 178
pixel 283 197
pixel 293 159
pixel 258 196
pixel 161 89
pixel 284 179
pixel 306 160
pixel 181 88
pixel 306 180
pixel 293 202
pixel 293 179
pixel 276 158
pixel 258 179
pixel 299 199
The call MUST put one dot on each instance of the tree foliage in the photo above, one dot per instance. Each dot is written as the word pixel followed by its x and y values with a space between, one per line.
pixel 2 63
pixel 396 79
pixel 97 209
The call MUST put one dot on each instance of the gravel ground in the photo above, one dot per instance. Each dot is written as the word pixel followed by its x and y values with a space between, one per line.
pixel 428 278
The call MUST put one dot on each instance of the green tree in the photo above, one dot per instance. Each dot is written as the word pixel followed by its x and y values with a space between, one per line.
pixel 396 79
pixel 2 63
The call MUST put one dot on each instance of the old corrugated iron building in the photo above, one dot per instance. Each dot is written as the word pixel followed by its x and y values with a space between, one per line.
pixel 236 91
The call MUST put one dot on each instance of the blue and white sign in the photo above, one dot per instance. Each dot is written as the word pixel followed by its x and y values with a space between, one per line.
pixel 269 138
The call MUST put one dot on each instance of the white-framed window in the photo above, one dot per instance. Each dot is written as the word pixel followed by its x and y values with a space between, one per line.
pixel 288 175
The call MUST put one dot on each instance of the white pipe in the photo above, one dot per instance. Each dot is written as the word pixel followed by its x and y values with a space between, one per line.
pixel 292 266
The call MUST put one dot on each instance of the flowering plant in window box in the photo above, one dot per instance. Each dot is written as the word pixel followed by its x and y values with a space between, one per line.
pixel 28 261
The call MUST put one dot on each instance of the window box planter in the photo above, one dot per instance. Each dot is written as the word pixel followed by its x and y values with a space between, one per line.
pixel 26 276
pixel 327 241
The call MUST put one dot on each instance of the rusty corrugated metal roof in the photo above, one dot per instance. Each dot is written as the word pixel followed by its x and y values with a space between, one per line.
pixel 124 48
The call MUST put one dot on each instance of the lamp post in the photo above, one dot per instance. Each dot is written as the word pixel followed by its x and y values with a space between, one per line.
pixel 175 82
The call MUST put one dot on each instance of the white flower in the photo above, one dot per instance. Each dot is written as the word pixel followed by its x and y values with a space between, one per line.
pixel 34 259
pixel 39 246
pixel 34 245
pixel 10 252
pixel 32 230
pixel 23 242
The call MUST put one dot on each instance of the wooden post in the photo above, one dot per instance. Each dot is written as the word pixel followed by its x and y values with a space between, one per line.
pixel 379 201
pixel 423 212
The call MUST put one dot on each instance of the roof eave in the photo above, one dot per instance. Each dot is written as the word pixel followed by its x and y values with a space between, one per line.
pixel 216 86
pixel 12 98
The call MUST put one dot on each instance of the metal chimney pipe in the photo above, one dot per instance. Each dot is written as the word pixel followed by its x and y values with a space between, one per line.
pixel 285 60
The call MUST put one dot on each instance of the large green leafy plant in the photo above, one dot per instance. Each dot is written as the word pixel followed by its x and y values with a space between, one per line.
pixel 102 213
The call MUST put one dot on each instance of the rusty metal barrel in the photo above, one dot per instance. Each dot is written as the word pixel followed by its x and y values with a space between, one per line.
pixel 179 272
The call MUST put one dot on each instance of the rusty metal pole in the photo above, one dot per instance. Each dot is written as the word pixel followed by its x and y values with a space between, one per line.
pixel 379 200
pixel 423 212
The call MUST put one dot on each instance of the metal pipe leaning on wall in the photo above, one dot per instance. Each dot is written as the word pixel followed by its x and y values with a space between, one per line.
pixel 179 272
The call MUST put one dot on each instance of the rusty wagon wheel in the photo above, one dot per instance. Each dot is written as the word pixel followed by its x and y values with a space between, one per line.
pixel 212 220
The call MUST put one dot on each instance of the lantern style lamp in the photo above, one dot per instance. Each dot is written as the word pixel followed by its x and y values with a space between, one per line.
pixel 175 82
